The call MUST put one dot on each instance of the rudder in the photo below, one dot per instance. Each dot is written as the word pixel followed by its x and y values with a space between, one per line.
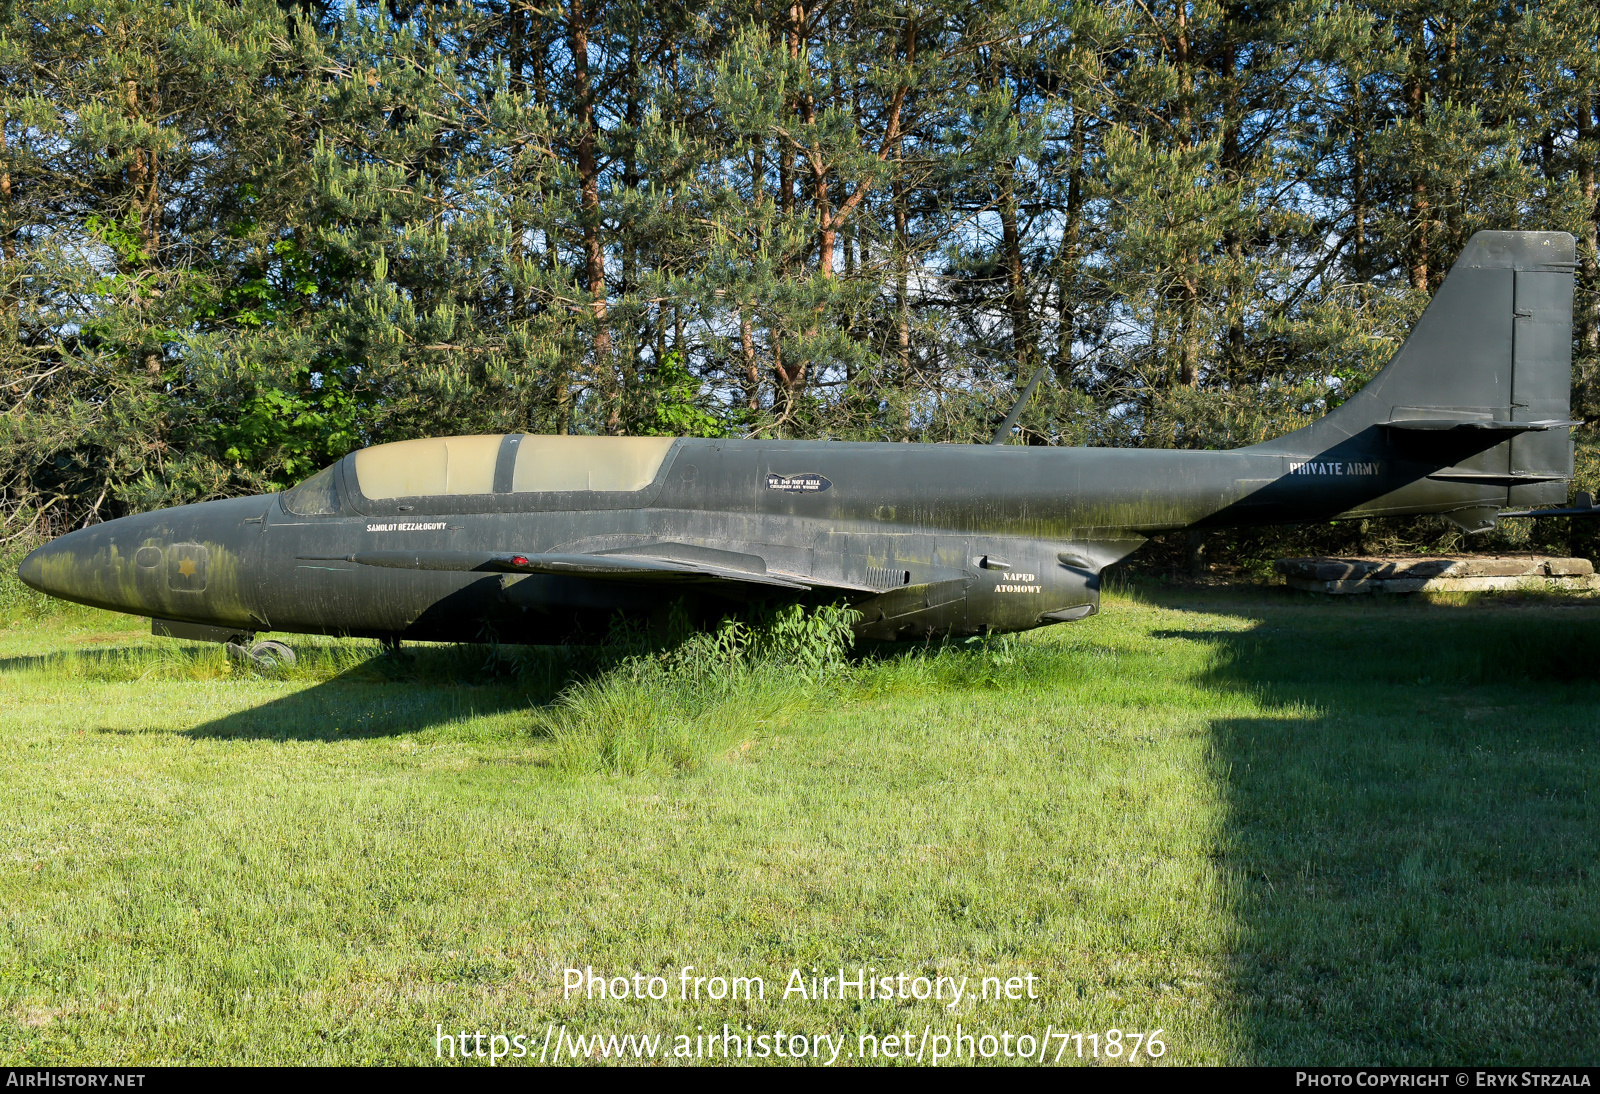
pixel 1541 377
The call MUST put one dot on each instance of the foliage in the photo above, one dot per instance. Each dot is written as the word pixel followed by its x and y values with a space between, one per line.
pixel 239 239
pixel 303 428
pixel 673 406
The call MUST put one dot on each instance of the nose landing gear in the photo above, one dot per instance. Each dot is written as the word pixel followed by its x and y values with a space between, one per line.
pixel 266 656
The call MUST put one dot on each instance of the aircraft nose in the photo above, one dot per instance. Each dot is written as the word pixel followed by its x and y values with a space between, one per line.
pixel 73 567
pixel 189 563
pixel 32 569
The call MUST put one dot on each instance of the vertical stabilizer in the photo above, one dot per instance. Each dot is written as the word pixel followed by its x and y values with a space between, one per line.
pixel 1491 358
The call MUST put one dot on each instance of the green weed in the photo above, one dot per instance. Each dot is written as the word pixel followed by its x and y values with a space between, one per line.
pixel 669 704
pixel 17 601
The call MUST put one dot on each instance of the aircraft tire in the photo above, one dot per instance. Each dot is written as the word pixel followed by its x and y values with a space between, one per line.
pixel 271 655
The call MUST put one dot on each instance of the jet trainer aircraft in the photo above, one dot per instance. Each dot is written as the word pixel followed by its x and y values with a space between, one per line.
pixel 540 539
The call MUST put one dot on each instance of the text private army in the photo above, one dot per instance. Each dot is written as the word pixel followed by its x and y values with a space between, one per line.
pixel 860 984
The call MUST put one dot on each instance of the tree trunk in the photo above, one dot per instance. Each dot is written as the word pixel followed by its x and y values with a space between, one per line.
pixel 1071 234
pixel 900 416
pixel 1420 207
pixel 1195 554
pixel 8 242
pixel 630 177
pixel 752 371
pixel 1447 211
pixel 143 182
pixel 788 378
pixel 785 154
pixel 1589 262
pixel 1188 328
pixel 821 205
pixel 594 265
pixel 1233 242
pixel 1185 77
pixel 1189 274
pixel 1358 186
pixel 1016 282
pixel 517 47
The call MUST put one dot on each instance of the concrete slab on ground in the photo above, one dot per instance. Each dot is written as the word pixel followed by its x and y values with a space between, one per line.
pixel 1436 573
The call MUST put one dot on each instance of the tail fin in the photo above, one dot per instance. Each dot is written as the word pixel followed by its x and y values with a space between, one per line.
pixel 1482 385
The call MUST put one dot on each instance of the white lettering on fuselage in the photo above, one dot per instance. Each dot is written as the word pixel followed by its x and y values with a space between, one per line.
pixel 1015 586
pixel 408 526
pixel 1326 467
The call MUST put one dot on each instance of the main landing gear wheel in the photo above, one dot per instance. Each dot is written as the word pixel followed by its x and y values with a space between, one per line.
pixel 266 656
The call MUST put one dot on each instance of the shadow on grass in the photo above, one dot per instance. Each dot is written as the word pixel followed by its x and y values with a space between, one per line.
pixel 393 694
pixel 350 706
pixel 347 689
pixel 1412 845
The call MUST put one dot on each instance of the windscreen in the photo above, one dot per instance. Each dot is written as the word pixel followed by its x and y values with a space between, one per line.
pixel 318 496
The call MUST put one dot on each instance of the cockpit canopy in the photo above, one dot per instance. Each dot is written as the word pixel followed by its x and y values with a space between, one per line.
pixel 494 464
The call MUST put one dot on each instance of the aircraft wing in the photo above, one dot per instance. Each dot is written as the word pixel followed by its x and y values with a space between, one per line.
pixel 665 562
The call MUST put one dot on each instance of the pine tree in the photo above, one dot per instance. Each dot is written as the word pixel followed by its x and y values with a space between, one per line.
pixel 238 240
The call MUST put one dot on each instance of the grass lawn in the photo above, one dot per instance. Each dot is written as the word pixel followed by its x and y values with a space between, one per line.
pixel 1279 829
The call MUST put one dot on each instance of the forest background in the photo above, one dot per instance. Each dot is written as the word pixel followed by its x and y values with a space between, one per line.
pixel 239 238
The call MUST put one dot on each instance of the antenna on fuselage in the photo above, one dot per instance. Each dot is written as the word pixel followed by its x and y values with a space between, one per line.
pixel 1003 434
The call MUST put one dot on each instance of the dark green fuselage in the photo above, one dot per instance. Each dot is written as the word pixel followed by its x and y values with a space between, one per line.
pixel 948 516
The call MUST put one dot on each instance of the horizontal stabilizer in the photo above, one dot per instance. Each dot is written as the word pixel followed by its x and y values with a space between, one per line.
pixel 1582 506
pixel 1438 425
pixel 1494 478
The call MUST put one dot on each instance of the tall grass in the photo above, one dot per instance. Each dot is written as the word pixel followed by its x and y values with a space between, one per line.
pixel 673 702
pixel 1003 663
pixel 645 701
pixel 647 705
pixel 17 601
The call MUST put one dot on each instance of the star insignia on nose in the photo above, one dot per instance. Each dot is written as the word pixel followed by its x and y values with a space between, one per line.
pixel 186 567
